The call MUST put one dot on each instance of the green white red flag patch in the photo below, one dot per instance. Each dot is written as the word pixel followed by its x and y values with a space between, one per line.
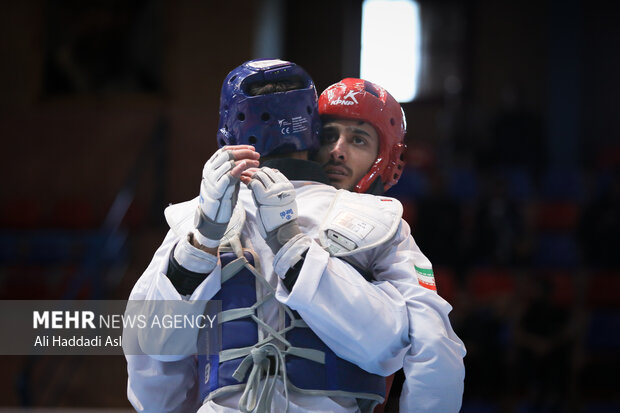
pixel 426 278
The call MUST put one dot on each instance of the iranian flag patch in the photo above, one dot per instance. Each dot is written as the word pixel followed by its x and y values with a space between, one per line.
pixel 426 277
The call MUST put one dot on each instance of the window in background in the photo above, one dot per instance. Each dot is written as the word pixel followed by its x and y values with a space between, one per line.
pixel 390 48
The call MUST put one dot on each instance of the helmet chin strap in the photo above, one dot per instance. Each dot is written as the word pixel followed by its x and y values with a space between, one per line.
pixel 376 188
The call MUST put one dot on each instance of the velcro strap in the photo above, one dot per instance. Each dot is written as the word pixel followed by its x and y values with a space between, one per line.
pixel 207 227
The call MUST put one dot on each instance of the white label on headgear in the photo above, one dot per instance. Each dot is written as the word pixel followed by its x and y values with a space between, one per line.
pixel 295 125
pixel 300 124
pixel 262 64
pixel 285 126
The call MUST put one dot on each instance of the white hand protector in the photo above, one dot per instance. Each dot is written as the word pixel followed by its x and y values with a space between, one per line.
pixel 218 196
pixel 274 196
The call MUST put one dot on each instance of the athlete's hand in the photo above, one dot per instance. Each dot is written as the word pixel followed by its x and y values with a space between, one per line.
pixel 274 196
pixel 218 191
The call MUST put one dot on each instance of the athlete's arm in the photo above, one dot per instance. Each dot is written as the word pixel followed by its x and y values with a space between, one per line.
pixel 362 322
pixel 433 367
pixel 154 385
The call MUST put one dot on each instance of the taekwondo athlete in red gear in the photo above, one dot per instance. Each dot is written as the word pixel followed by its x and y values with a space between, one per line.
pixel 353 322
pixel 361 150
pixel 362 145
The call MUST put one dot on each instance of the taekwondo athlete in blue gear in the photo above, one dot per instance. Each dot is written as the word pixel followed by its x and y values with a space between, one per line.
pixel 351 319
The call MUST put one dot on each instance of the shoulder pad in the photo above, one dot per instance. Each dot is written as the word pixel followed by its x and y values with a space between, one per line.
pixel 358 222
pixel 180 218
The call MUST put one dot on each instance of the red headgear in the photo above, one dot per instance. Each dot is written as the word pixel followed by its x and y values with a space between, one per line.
pixel 363 100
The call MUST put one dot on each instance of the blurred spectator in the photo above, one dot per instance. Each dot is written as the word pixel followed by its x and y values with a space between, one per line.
pixel 544 338
pixel 483 328
pixel 438 224
pixel 500 230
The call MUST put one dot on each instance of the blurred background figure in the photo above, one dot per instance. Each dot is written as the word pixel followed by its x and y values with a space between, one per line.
pixel 544 339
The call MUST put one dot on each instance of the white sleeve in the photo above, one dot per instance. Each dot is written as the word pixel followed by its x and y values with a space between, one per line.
pixel 434 369
pixel 162 387
pixel 364 323
pixel 155 285
pixel 163 383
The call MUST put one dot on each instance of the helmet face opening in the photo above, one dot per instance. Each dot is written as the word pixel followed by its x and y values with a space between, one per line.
pixel 270 104
pixel 363 100
pixel 254 87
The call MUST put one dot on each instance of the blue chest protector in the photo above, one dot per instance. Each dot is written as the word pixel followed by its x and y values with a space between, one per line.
pixel 293 352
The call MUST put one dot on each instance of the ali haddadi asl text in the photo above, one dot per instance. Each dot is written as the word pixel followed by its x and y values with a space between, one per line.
pixel 77 341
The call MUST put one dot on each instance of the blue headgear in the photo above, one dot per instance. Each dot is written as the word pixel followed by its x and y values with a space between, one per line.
pixel 274 123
